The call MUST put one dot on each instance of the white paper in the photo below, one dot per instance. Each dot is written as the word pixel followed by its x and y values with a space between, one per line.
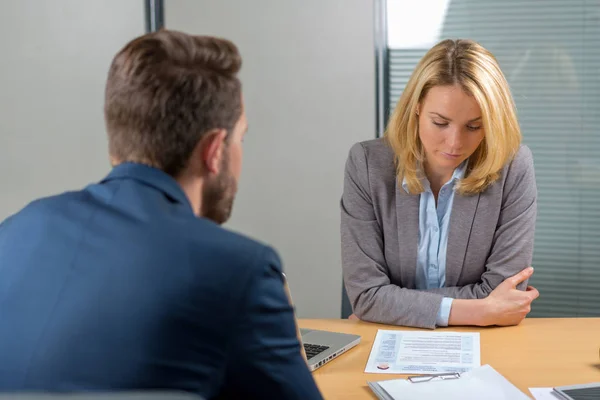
pixel 543 393
pixel 413 352
pixel 481 383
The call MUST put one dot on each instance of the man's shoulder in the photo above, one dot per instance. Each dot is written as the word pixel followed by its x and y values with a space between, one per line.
pixel 47 205
pixel 236 249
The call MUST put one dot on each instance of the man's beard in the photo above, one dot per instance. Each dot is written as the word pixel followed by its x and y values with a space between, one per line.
pixel 218 195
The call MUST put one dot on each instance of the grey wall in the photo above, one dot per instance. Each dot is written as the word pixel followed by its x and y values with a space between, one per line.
pixel 55 57
pixel 309 85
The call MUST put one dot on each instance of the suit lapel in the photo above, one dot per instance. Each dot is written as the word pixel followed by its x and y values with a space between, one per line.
pixel 461 223
pixel 407 214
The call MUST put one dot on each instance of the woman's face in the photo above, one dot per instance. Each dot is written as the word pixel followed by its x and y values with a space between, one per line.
pixel 450 128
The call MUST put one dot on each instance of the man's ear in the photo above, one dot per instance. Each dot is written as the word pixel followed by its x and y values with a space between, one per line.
pixel 210 150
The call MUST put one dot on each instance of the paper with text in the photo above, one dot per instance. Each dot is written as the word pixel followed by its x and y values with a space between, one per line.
pixel 414 352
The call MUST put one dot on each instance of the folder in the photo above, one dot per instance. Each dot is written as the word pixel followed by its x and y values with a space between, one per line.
pixel 480 383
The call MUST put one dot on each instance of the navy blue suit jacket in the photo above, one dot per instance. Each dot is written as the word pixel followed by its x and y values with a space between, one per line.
pixel 121 286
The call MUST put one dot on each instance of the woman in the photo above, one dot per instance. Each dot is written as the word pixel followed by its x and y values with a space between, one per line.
pixel 438 217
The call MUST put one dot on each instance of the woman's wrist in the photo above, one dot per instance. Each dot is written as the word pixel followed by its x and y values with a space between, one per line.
pixel 470 312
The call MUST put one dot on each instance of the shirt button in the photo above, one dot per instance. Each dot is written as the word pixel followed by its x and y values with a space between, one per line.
pixel 435 229
pixel 432 266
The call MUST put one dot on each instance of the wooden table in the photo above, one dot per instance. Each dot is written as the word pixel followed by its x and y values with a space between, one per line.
pixel 540 352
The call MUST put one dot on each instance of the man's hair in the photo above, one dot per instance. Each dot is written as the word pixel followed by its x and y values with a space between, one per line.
pixel 164 91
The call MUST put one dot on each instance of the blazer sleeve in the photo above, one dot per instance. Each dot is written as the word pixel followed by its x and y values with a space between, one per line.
pixel 265 356
pixel 512 248
pixel 372 295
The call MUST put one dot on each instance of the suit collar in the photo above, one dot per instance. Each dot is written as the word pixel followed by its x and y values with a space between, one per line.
pixel 461 224
pixel 153 177
pixel 407 214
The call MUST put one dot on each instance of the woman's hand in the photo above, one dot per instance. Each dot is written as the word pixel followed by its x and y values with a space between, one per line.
pixel 507 305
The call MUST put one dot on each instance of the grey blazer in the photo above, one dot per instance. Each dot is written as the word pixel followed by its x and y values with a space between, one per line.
pixel 490 238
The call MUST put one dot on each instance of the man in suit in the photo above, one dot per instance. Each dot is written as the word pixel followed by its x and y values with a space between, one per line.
pixel 131 283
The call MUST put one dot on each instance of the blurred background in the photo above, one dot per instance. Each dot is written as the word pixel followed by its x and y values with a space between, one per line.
pixel 318 76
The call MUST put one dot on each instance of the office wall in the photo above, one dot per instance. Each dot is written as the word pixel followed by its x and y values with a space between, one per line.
pixel 309 85
pixel 55 57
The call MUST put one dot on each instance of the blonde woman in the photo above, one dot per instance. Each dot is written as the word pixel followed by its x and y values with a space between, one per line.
pixel 438 217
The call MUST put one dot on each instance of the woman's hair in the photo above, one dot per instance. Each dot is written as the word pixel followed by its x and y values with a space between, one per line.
pixel 470 65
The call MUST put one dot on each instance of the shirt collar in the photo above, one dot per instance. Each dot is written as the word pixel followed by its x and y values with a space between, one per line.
pixel 153 177
pixel 457 175
pixel 460 171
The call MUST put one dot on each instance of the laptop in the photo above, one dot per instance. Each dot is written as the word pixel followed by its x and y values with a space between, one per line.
pixel 578 392
pixel 323 346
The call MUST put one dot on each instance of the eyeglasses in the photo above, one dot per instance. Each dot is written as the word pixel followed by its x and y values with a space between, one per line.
pixel 427 378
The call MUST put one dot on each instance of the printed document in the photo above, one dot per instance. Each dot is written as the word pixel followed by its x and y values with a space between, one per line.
pixel 414 352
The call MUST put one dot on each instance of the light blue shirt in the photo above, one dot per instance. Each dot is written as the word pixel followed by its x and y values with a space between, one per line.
pixel 434 223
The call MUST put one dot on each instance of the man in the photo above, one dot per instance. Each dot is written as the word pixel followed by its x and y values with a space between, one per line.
pixel 131 283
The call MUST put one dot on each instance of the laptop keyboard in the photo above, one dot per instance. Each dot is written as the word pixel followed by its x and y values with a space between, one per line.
pixel 584 393
pixel 313 349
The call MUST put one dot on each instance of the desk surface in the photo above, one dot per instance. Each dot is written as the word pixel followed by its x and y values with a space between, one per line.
pixel 540 352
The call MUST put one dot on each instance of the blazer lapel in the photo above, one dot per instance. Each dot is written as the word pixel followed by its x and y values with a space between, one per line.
pixel 407 214
pixel 461 223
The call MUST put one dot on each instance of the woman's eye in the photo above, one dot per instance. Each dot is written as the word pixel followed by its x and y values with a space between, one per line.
pixel 473 128
pixel 440 124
